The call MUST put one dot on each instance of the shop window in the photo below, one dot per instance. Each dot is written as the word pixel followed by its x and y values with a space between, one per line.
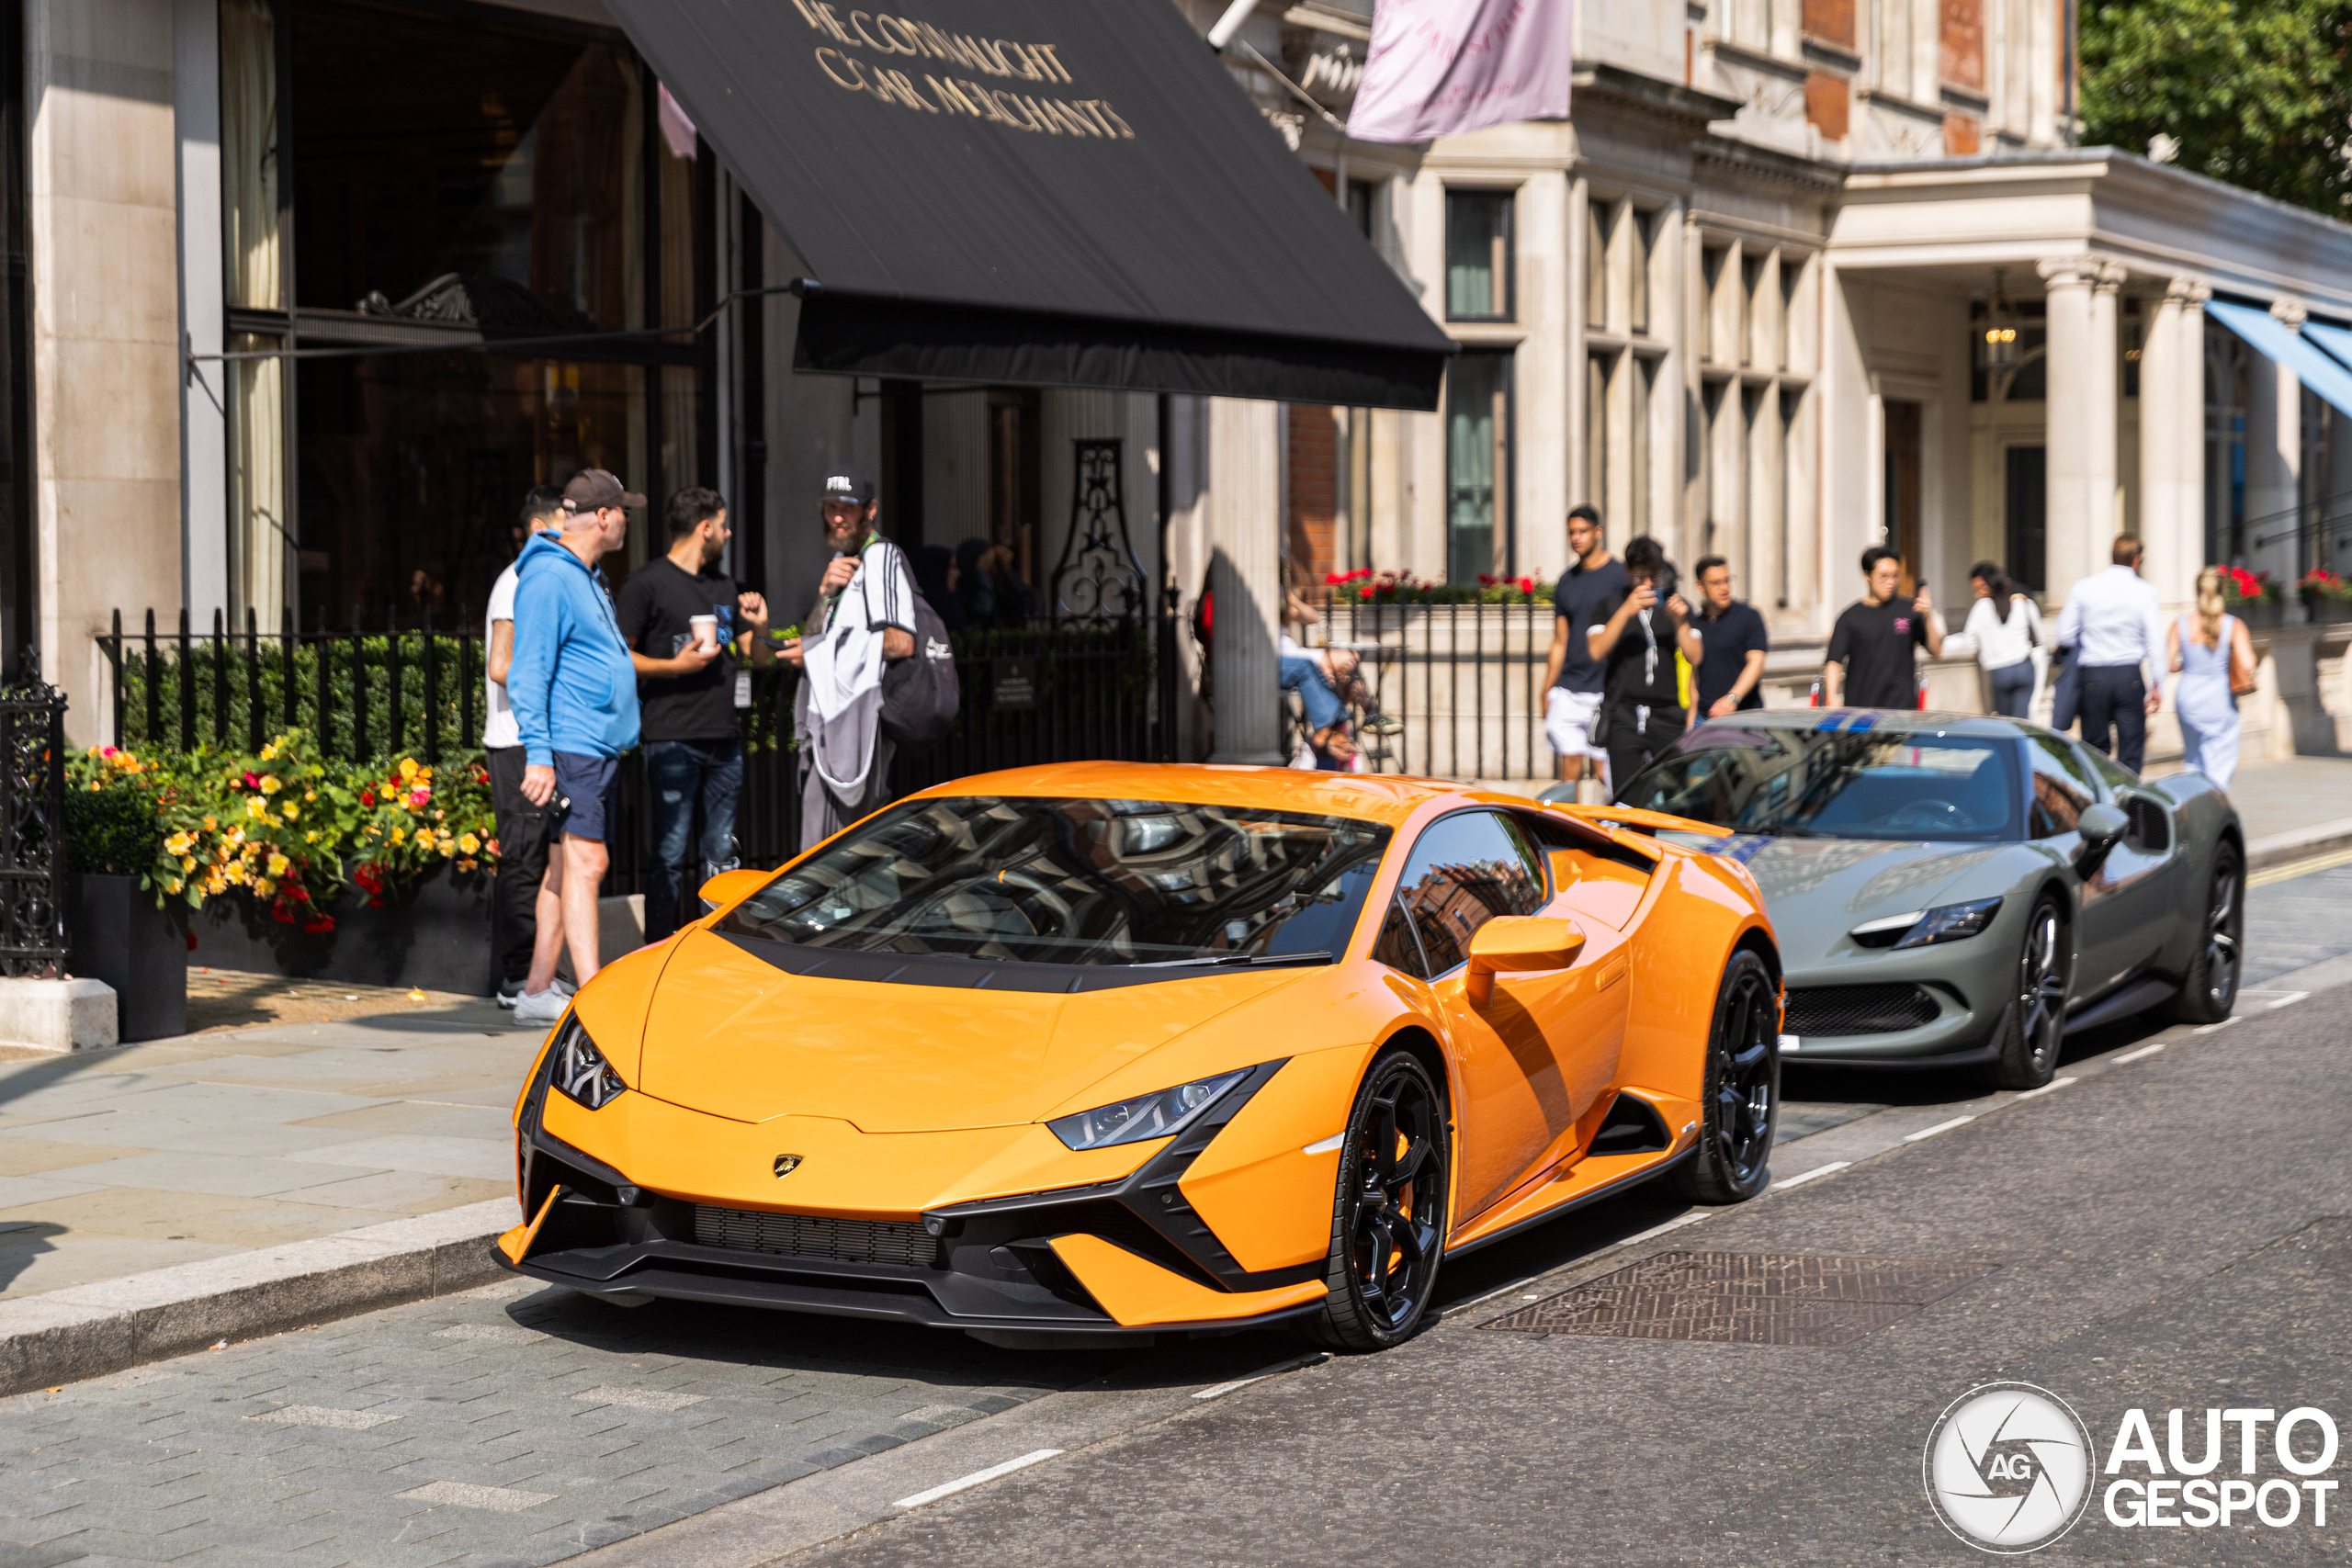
pixel 517 176
pixel 1477 255
pixel 1478 465
pixel 2025 515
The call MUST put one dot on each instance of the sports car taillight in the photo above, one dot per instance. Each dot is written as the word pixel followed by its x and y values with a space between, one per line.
pixel 1156 1115
pixel 581 1071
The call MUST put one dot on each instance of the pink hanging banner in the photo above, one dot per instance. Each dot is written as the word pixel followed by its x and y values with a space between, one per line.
pixel 1441 67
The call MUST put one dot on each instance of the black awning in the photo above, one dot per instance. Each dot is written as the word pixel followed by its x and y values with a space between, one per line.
pixel 1038 192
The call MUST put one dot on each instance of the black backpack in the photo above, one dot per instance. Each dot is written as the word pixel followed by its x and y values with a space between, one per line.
pixel 920 695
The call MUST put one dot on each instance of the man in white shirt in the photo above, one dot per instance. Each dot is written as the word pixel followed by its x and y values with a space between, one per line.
pixel 527 906
pixel 2111 622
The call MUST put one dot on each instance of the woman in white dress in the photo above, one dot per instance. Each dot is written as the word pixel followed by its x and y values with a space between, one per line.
pixel 2215 657
pixel 2006 627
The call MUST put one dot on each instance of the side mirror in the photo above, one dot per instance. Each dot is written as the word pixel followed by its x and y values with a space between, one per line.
pixel 2100 828
pixel 729 887
pixel 1518 945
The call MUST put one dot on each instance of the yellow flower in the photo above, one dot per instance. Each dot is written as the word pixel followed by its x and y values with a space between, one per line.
pixel 187 863
pixel 437 816
pixel 277 864
pixel 266 888
pixel 310 794
pixel 269 753
pixel 269 784
pixel 467 843
pixel 311 837
pixel 256 805
pixel 398 834
pixel 292 811
pixel 173 885
pixel 210 823
pixel 408 767
pixel 177 844
pixel 447 849
pixel 94 786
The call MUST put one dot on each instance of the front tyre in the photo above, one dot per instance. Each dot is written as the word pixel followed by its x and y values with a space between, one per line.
pixel 1388 1218
pixel 1742 1093
pixel 2209 993
pixel 2034 1022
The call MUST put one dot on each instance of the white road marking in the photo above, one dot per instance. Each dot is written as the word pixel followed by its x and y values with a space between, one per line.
pixel 1328 1144
pixel 323 1416
pixel 2290 997
pixel 2210 1027
pixel 1939 1127
pixel 2045 1088
pixel 2142 1051
pixel 1218 1391
pixel 977 1478
pixel 1804 1175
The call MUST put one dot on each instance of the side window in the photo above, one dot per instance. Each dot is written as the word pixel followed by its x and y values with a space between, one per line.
pixel 1396 945
pixel 1465 870
pixel 2062 787
pixel 2151 831
pixel 2112 774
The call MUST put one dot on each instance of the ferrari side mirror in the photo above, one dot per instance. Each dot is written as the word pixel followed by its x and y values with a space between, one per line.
pixel 2100 828
pixel 729 886
pixel 1518 945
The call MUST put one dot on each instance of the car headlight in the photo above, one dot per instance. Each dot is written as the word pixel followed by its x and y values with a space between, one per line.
pixel 581 1071
pixel 1950 922
pixel 1159 1114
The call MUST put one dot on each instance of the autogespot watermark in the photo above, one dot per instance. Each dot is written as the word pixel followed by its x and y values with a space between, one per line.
pixel 2009 1468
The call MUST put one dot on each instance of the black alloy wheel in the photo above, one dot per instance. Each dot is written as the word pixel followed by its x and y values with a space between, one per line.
pixel 1741 1096
pixel 1388 1222
pixel 2034 1023
pixel 2209 993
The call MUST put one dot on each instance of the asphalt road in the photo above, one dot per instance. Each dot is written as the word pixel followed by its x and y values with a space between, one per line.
pixel 2166 1229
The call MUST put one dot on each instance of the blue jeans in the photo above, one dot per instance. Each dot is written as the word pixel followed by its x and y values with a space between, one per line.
pixel 677 772
pixel 1306 677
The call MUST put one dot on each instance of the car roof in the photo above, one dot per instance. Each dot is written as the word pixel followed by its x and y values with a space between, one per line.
pixel 1379 797
pixel 1900 721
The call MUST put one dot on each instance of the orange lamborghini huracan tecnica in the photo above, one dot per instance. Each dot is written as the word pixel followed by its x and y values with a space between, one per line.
pixel 1107 1050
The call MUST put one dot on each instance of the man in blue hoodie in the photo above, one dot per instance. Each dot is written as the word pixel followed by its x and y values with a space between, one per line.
pixel 574 691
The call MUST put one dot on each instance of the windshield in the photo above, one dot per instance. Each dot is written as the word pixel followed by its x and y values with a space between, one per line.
pixel 1836 784
pixel 1089 882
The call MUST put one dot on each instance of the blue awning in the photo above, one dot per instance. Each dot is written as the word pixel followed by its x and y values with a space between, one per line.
pixel 2335 340
pixel 2276 341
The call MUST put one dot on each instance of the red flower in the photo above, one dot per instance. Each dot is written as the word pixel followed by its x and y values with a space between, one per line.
pixel 367 797
pixel 252 782
pixel 1527 586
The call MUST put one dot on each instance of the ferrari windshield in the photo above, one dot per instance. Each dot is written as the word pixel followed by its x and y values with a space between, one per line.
pixel 1838 783
pixel 1076 881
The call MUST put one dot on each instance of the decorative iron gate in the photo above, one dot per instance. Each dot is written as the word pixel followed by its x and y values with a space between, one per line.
pixel 32 825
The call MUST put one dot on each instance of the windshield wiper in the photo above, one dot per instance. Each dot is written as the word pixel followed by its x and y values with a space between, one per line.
pixel 1235 961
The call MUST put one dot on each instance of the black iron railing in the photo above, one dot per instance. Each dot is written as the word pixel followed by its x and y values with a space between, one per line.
pixel 1084 690
pixel 32 826
pixel 1465 679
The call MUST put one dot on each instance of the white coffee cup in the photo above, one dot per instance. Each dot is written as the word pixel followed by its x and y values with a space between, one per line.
pixel 706 632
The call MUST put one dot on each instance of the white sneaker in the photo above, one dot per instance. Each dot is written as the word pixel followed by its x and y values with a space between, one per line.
pixel 542 1008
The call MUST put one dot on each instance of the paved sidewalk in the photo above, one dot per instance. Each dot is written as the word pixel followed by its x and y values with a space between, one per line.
pixel 122 1161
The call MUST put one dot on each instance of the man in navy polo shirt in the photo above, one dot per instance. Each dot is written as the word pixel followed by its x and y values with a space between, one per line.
pixel 1735 641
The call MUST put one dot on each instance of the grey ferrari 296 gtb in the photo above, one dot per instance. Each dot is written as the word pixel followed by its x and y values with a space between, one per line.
pixel 1952 890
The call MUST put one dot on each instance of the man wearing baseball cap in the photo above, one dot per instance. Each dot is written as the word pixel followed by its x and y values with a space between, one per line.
pixel 863 617
pixel 574 690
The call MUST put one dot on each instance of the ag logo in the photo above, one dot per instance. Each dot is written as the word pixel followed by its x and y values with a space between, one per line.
pixel 2008 1468
pixel 786 1163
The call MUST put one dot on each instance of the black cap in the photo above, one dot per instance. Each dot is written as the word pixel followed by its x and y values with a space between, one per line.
pixel 850 484
pixel 593 489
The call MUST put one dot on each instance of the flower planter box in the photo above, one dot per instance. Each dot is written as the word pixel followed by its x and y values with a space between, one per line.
pixel 121 938
pixel 436 936
pixel 2329 612
pixel 2260 614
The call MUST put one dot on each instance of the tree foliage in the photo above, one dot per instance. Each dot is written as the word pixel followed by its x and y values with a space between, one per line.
pixel 2255 93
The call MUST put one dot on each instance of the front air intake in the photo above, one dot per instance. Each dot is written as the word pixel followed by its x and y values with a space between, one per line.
pixel 902 1242
pixel 1828 1012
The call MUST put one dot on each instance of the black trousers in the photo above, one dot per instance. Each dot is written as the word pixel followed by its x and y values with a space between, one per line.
pixel 1631 750
pixel 2114 696
pixel 521 864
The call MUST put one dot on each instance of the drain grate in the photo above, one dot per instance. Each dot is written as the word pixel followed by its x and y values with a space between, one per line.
pixel 1745 1297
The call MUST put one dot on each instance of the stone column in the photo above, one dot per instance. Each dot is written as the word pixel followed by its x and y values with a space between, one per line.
pixel 1245 573
pixel 2273 456
pixel 2081 429
pixel 2172 441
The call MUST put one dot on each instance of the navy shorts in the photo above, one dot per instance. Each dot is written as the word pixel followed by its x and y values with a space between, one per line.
pixel 583 794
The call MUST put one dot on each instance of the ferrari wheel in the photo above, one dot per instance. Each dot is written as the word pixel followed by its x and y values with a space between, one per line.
pixel 1388 1221
pixel 2035 1020
pixel 2209 990
pixel 1742 1093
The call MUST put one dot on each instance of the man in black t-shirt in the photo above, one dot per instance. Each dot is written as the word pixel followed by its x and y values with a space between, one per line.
pixel 1870 662
pixel 1572 676
pixel 1636 640
pixel 688 629
pixel 1732 637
